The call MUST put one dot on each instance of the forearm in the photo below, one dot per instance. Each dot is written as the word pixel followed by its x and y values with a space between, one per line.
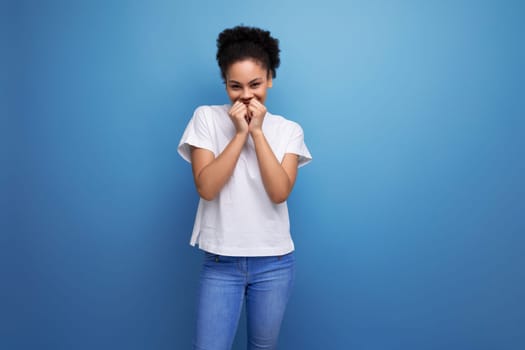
pixel 211 178
pixel 276 181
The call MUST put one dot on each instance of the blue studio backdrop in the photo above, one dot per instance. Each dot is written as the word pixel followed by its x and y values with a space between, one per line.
pixel 409 223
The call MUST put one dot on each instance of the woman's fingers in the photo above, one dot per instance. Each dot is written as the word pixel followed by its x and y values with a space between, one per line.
pixel 237 114
pixel 236 108
pixel 257 109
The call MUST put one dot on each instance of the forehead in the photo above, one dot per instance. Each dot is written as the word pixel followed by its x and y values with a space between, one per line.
pixel 245 71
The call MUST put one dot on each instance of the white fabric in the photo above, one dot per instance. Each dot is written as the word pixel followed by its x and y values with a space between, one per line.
pixel 242 220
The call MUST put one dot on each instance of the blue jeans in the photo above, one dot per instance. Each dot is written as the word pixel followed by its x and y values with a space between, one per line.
pixel 226 282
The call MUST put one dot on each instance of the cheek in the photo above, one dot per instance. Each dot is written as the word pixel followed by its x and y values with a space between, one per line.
pixel 260 93
pixel 261 96
pixel 232 94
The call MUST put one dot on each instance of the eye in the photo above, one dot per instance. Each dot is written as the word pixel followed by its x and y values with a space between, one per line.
pixel 234 87
pixel 256 85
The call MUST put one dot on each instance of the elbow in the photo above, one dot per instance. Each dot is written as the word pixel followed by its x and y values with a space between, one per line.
pixel 279 195
pixel 205 190
pixel 278 198
pixel 206 195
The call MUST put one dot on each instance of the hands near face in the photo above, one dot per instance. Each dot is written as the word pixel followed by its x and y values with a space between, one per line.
pixel 247 117
pixel 257 112
pixel 238 114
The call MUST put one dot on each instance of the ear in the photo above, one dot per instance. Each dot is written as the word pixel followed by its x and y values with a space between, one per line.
pixel 269 84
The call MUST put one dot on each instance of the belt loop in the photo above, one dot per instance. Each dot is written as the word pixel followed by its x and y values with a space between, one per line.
pixel 216 258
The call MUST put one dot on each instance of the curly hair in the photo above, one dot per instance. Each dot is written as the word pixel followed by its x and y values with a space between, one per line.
pixel 242 42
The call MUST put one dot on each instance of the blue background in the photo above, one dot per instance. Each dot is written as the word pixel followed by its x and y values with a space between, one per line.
pixel 409 224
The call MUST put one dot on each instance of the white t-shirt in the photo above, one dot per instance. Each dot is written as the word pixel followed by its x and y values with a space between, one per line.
pixel 242 220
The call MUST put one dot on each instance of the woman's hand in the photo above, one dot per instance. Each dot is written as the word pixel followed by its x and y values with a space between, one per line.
pixel 256 112
pixel 239 115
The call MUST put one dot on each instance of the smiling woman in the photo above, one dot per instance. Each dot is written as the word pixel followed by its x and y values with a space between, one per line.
pixel 247 82
pixel 246 85
pixel 244 162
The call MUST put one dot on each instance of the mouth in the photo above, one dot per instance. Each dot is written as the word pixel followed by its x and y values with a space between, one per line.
pixel 247 101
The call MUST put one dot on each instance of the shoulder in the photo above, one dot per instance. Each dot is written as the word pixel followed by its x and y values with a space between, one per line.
pixel 211 115
pixel 281 123
pixel 211 110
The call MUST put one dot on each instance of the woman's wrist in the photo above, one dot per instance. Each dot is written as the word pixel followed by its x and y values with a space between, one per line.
pixel 256 133
pixel 242 134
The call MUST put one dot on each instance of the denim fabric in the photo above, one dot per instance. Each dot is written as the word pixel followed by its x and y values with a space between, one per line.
pixel 264 283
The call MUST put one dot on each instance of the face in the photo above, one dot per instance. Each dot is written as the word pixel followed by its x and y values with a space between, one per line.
pixel 247 79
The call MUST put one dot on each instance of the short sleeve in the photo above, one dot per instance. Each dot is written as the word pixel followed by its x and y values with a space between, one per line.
pixel 197 134
pixel 297 145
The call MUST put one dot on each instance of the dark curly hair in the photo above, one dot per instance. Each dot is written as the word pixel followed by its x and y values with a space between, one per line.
pixel 242 42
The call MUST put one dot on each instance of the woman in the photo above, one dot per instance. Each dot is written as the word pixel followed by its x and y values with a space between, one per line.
pixel 244 163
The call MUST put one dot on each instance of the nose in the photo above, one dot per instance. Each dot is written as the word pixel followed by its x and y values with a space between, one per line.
pixel 246 95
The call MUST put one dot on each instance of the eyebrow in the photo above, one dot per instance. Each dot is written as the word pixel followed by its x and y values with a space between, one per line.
pixel 250 82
